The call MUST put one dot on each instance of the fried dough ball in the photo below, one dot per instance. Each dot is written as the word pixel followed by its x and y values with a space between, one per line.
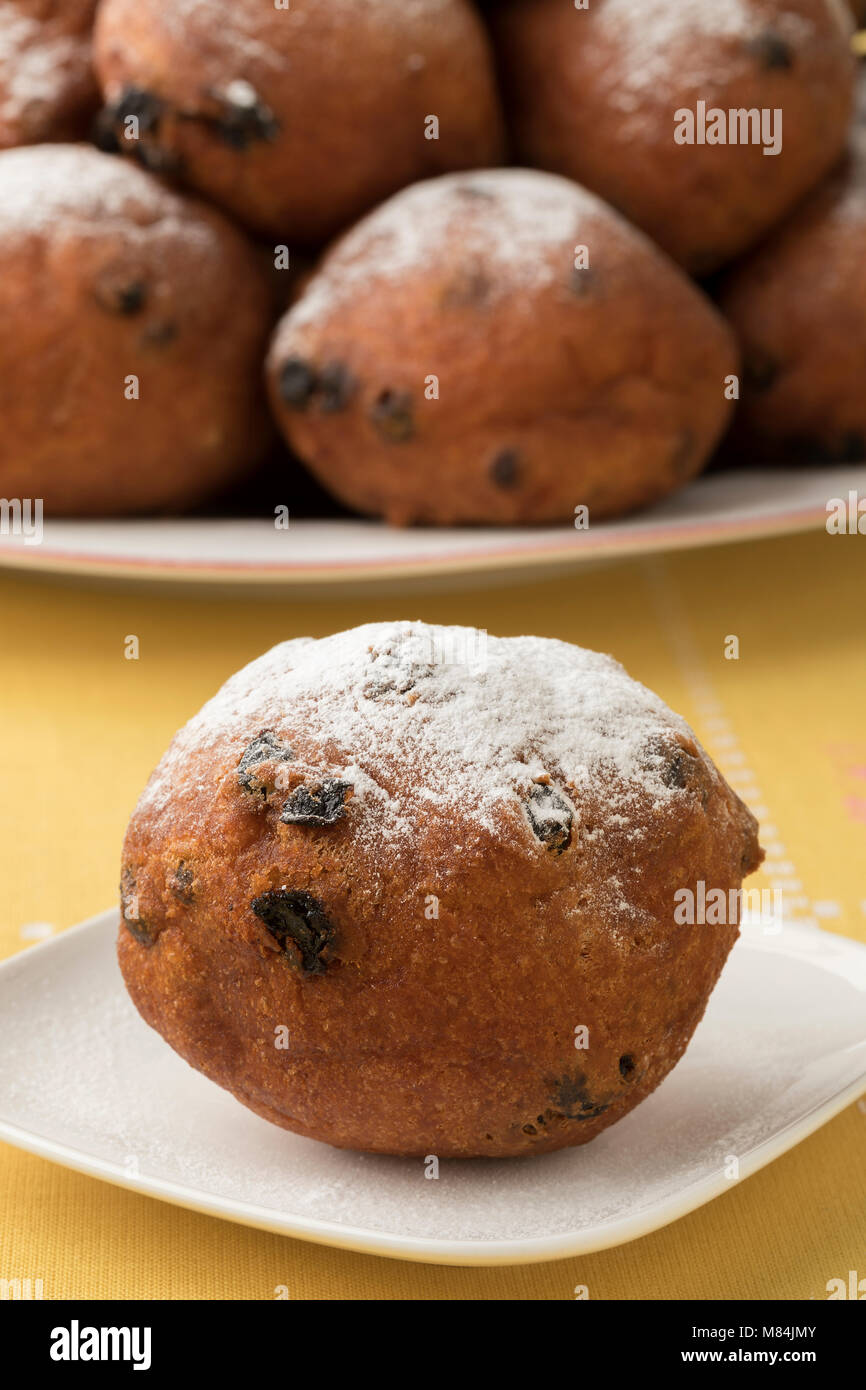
pixel 798 307
pixel 500 347
pixel 132 328
pixel 298 119
pixel 603 95
pixel 377 885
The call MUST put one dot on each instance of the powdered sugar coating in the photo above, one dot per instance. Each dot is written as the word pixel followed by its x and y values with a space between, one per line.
pixel 45 71
pixel 256 36
pixel 477 720
pixel 648 35
pixel 32 64
pixel 521 223
pixel 183 12
pixel 53 189
pixel 247 14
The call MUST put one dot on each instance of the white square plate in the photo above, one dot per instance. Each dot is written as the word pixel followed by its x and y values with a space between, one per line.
pixel 85 1083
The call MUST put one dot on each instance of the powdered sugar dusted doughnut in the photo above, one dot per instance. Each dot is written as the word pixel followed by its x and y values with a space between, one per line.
pixel 298 118
pixel 500 346
pixel 377 885
pixel 47 87
pixel 606 93
pixel 132 325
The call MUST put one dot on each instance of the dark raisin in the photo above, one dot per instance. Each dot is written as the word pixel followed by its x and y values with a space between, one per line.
pixel 131 298
pixel 627 1065
pixel 681 770
pixel 148 109
pixel 771 51
pixel 323 805
pixel 505 469
pixel 264 748
pixel 112 134
pixel 551 817
pixel 529 1129
pixel 104 132
pixel 143 932
pixel 336 387
pixel 571 1098
pixel 391 413
pixel 243 119
pixel 300 918
pixel 181 883
pixel 127 298
pixel 297 382
pixel 677 770
pixel 761 371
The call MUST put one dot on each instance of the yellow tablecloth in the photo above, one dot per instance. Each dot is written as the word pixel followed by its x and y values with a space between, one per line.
pixel 82 727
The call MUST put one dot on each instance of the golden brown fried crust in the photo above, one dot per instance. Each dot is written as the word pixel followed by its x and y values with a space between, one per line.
pixel 47 88
pixel 331 114
pixel 104 275
pixel 410 1033
pixel 558 387
pixel 798 307
pixel 583 102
